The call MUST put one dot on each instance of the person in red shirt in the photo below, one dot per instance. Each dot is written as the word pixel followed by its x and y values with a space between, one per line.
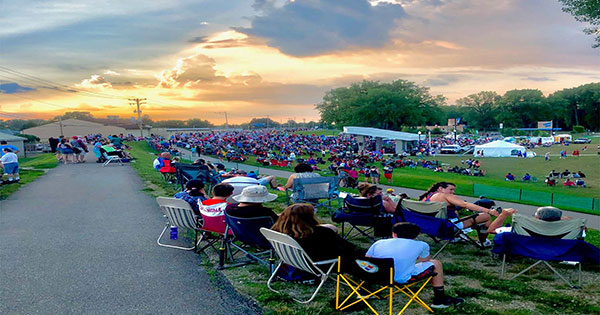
pixel 213 209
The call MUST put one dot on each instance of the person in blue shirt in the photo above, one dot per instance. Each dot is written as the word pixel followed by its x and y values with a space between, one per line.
pixel 4 144
pixel 526 177
pixel 193 193
pixel 412 261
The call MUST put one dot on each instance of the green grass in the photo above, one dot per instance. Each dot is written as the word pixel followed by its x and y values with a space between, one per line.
pixel 470 273
pixel 38 163
pixel 496 169
pixel 154 183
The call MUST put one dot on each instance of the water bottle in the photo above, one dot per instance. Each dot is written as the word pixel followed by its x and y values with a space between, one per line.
pixel 173 232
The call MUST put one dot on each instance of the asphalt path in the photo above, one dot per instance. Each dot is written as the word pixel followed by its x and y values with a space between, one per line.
pixel 593 221
pixel 82 240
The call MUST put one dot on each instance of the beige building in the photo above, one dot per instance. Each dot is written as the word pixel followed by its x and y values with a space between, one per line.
pixel 75 127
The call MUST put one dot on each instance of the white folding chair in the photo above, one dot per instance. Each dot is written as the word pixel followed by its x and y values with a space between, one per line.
pixel 179 213
pixel 291 253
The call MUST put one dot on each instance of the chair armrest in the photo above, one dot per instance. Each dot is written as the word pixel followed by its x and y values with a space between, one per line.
pixel 323 262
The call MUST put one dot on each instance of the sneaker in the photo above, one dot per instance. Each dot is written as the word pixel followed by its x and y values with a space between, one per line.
pixel 486 244
pixel 446 302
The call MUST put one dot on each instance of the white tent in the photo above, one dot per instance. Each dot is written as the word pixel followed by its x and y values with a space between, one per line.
pixel 497 148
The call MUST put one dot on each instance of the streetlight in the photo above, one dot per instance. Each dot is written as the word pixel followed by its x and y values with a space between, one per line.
pixel 419 142
pixel 429 142
pixel 576 114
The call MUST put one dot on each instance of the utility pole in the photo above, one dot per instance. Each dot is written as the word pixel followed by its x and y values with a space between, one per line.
pixel 226 121
pixel 61 126
pixel 138 102
pixel 268 121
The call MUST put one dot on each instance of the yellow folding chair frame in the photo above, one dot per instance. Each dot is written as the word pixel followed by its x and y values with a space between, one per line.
pixel 392 287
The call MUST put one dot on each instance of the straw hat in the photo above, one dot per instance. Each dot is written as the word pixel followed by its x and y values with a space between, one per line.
pixel 254 194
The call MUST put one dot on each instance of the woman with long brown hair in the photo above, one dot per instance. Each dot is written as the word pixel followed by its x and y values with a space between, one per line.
pixel 369 191
pixel 319 241
pixel 444 192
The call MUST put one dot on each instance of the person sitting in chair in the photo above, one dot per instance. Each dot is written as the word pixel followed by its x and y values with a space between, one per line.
pixel 320 241
pixel 302 170
pixel 412 261
pixel 250 203
pixel 548 214
pixel 369 191
pixel 193 193
pixel 444 192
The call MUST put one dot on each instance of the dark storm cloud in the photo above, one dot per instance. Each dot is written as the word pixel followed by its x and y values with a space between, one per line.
pixel 311 27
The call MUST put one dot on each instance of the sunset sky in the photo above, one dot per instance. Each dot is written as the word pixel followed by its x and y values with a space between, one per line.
pixel 200 58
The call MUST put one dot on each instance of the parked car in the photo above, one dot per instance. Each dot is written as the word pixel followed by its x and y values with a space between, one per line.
pixel 451 149
pixel 582 140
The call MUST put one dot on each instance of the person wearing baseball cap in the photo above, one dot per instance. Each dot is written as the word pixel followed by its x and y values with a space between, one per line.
pixel 249 204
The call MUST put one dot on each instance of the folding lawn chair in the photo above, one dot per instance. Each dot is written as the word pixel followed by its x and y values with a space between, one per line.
pixel 546 241
pixel 185 172
pixel 179 213
pixel 311 190
pixel 432 219
pixel 291 253
pixel 212 225
pixel 110 158
pixel 364 215
pixel 247 232
pixel 377 272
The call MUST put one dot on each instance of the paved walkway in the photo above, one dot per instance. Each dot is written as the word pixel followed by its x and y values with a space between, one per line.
pixel 593 221
pixel 82 240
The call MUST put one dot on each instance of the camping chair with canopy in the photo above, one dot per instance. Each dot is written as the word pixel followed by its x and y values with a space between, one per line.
pixel 546 241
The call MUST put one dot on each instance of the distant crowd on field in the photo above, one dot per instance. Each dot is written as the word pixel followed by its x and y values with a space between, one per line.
pixel 71 150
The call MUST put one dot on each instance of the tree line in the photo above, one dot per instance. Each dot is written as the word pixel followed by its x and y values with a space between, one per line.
pixel 402 104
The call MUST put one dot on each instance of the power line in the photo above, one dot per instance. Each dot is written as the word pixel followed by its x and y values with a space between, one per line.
pixel 56 86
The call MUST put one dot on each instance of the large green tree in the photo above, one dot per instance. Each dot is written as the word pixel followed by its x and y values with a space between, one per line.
pixel 578 105
pixel 480 109
pixel 384 105
pixel 587 11
pixel 523 108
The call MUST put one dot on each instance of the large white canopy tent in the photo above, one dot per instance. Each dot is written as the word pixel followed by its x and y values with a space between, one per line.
pixel 498 148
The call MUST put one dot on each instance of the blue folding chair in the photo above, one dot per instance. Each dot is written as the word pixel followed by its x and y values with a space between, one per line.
pixel 432 219
pixel 313 189
pixel 545 242
pixel 246 233
pixel 365 217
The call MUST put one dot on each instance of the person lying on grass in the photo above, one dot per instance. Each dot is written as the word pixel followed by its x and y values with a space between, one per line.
pixel 444 192
pixel 412 261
